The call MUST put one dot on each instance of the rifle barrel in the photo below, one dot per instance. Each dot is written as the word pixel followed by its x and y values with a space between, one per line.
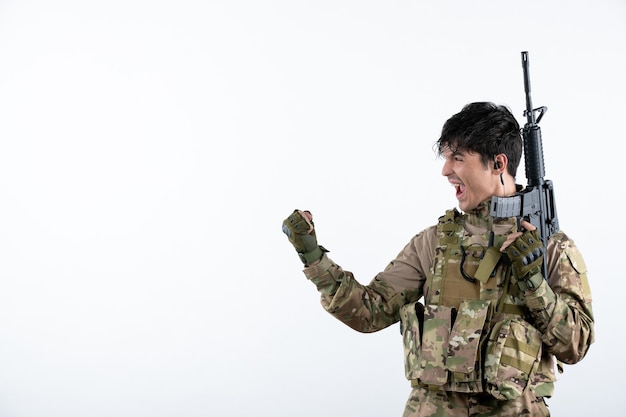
pixel 530 114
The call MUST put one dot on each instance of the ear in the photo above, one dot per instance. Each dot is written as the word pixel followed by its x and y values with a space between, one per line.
pixel 500 162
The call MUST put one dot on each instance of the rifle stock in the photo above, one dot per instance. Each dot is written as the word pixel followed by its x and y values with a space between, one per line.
pixel 535 203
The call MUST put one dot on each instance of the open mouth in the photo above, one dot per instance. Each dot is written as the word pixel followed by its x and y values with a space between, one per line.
pixel 460 190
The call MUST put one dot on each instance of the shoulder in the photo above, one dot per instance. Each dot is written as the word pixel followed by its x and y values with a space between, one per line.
pixel 564 246
pixel 423 244
pixel 428 234
pixel 565 257
pixel 561 243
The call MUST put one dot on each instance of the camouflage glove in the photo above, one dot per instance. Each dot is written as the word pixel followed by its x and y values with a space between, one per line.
pixel 526 255
pixel 301 234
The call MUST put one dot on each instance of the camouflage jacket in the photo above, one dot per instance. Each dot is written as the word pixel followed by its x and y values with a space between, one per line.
pixel 559 315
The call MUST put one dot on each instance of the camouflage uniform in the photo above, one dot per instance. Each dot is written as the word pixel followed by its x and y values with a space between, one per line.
pixel 474 344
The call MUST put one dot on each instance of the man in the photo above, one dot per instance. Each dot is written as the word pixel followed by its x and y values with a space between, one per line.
pixel 480 324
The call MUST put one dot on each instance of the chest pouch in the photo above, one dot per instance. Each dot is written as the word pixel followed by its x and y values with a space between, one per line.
pixel 441 343
pixel 512 358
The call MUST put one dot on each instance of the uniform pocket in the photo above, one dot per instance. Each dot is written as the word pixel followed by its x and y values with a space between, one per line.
pixel 436 334
pixel 425 333
pixel 578 264
pixel 465 337
pixel 411 319
pixel 513 355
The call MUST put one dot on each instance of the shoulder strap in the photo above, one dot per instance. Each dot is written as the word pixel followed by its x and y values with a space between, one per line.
pixel 448 227
pixel 449 230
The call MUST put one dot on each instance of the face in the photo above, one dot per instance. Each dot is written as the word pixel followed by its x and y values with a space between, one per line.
pixel 473 181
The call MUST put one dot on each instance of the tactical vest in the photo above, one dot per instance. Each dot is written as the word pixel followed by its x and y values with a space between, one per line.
pixel 469 335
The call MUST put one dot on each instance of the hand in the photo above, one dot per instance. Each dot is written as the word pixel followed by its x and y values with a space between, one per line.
pixel 525 250
pixel 300 230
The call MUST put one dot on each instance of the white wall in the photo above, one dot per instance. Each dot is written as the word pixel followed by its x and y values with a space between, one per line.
pixel 149 151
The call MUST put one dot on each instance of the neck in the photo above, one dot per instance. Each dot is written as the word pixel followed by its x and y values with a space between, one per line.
pixel 507 186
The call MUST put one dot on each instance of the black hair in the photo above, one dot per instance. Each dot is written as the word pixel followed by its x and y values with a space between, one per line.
pixel 485 128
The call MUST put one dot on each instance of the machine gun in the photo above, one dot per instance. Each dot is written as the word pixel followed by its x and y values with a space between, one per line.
pixel 535 203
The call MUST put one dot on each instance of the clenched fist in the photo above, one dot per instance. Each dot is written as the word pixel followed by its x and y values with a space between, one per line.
pixel 300 230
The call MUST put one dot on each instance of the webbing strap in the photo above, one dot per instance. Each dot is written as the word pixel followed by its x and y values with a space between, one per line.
pixel 516 363
pixel 488 264
pixel 416 383
pixel 514 309
pixel 448 227
pixel 522 347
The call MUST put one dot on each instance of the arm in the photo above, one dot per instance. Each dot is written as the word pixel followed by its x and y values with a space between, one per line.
pixel 562 310
pixel 367 308
pixel 372 307
pixel 560 304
